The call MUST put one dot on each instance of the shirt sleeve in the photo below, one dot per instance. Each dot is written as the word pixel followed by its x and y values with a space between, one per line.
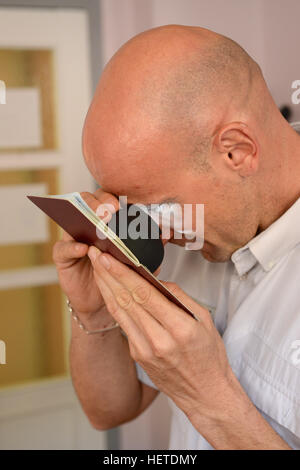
pixel 144 377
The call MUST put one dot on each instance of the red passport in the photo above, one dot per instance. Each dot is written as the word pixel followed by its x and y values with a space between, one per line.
pixel 72 213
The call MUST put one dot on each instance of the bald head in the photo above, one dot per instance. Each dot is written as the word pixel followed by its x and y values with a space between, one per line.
pixel 175 80
pixel 195 74
pixel 184 113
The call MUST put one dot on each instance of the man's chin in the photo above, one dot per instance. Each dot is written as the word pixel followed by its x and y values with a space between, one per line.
pixel 208 256
pixel 212 258
pixel 216 257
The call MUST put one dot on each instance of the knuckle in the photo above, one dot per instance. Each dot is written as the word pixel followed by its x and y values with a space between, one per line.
pixel 57 247
pixel 161 349
pixel 144 358
pixel 184 335
pixel 144 354
pixel 124 298
pixel 141 294
pixel 89 199
pixel 85 195
pixel 106 199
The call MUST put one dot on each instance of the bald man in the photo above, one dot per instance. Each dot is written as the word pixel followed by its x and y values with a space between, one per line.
pixel 183 114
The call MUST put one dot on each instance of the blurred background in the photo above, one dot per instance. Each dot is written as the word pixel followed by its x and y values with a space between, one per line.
pixel 51 56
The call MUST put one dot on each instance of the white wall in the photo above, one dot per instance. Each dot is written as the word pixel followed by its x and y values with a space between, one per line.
pixel 281 38
pixel 269 31
pixel 120 20
pixel 240 20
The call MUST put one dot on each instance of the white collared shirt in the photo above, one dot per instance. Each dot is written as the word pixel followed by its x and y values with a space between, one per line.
pixel 255 301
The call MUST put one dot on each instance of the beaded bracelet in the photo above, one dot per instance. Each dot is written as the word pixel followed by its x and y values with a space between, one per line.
pixel 81 325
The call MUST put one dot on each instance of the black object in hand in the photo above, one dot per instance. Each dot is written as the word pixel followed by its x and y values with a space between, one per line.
pixel 146 244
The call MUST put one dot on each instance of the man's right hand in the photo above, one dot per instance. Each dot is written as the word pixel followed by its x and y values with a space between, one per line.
pixel 74 268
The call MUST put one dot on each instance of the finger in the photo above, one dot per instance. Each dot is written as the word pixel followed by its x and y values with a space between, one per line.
pixel 107 198
pixel 126 301
pixel 66 252
pixel 155 303
pixel 136 335
pixel 101 199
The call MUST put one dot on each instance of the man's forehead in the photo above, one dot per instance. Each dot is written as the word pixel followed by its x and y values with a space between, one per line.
pixel 141 180
pixel 139 194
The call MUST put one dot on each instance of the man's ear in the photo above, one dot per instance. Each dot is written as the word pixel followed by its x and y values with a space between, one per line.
pixel 237 144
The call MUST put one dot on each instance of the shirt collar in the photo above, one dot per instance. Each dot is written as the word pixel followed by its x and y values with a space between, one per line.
pixel 278 239
pixel 272 244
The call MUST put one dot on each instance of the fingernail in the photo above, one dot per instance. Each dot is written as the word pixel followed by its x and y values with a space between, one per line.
pixel 104 261
pixel 93 253
pixel 105 211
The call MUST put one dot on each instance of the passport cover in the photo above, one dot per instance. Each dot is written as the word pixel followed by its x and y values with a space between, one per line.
pixel 68 215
